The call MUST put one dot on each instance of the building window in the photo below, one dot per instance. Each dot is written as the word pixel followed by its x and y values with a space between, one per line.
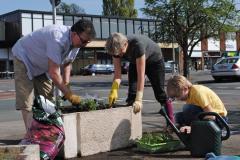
pixel 113 25
pixel 145 28
pixel 121 27
pixel 105 28
pixel 48 19
pixel 152 27
pixel 37 21
pixel 96 24
pixel 68 20
pixel 129 27
pixel 26 15
pixel 137 27
pixel 230 36
pixel 26 23
pixel 59 20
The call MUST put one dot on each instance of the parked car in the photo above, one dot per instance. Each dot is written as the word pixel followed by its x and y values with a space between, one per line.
pixel 168 67
pixel 124 67
pixel 92 69
pixel 227 67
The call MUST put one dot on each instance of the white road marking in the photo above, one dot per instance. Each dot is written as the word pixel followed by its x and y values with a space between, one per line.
pixel 222 87
pixel 225 93
pixel 1 91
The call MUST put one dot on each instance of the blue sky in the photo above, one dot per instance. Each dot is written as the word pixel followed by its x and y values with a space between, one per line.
pixel 90 6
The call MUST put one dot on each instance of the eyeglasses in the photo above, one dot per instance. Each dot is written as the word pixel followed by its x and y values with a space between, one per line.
pixel 83 41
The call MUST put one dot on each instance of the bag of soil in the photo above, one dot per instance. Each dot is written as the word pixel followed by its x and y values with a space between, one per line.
pixel 46 128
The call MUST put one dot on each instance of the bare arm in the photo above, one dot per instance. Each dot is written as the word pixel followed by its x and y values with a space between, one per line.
pixel 141 63
pixel 55 75
pixel 208 108
pixel 67 73
pixel 117 70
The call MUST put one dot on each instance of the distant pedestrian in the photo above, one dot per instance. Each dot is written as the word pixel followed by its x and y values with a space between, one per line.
pixel 39 59
pixel 145 57
pixel 196 65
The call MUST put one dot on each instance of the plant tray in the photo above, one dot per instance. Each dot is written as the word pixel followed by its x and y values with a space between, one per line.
pixel 160 147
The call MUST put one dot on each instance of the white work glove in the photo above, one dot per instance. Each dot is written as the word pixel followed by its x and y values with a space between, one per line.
pixel 137 105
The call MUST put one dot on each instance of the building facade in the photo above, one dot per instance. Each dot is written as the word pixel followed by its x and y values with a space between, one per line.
pixel 22 22
pixel 18 23
pixel 208 51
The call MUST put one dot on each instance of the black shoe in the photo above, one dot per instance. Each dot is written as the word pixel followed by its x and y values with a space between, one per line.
pixel 130 99
pixel 129 102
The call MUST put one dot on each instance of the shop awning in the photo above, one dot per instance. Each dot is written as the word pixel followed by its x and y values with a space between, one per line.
pixel 196 54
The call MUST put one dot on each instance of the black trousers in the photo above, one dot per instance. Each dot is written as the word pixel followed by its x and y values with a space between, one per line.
pixel 156 75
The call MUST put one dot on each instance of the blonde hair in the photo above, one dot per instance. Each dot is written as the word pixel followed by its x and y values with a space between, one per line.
pixel 176 84
pixel 115 42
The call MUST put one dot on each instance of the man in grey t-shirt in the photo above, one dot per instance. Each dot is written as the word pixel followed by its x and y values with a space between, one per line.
pixel 145 57
pixel 47 51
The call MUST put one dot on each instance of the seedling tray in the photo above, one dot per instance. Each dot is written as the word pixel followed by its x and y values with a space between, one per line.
pixel 157 148
pixel 156 143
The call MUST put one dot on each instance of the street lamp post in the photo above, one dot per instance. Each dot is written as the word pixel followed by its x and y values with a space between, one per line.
pixel 57 93
pixel 54 3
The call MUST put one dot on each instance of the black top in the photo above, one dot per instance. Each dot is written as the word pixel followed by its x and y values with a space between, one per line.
pixel 139 45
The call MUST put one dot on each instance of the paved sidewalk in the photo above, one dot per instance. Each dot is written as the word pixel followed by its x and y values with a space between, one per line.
pixel 14 131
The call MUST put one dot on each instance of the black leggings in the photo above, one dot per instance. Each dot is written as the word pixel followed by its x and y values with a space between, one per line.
pixel 156 75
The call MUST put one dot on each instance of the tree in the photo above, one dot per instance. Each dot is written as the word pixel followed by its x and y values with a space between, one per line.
pixel 124 8
pixel 70 9
pixel 188 22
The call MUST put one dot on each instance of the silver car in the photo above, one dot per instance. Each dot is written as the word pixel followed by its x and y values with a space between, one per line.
pixel 228 67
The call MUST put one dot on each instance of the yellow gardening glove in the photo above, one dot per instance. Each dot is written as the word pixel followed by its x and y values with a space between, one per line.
pixel 113 95
pixel 74 99
pixel 137 105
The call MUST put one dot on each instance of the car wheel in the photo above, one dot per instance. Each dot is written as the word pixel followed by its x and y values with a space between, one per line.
pixel 217 79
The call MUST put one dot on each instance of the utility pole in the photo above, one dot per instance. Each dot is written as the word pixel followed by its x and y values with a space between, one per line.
pixel 57 93
pixel 54 4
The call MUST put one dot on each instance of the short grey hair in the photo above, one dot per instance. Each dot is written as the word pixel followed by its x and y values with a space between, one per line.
pixel 115 42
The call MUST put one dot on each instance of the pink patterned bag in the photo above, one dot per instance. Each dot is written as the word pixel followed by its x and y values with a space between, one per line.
pixel 49 137
pixel 46 129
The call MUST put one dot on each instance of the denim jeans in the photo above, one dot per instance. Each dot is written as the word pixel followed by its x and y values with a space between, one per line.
pixel 189 113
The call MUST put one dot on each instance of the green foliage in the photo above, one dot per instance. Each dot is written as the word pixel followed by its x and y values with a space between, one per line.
pixel 88 104
pixel 122 8
pixel 187 22
pixel 157 143
pixel 69 9
pixel 155 138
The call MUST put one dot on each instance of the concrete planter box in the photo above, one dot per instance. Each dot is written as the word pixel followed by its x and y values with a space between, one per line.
pixel 92 132
pixel 21 152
